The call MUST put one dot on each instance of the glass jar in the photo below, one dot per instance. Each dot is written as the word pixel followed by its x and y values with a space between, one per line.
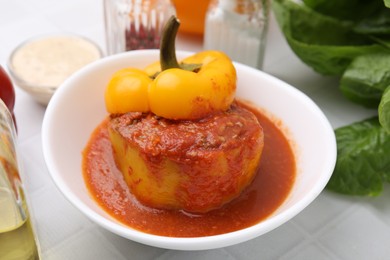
pixel 191 15
pixel 135 24
pixel 238 28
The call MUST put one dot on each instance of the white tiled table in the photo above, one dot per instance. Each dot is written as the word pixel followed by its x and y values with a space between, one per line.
pixel 332 227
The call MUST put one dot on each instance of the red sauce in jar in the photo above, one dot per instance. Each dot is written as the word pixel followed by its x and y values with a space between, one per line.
pixel 259 200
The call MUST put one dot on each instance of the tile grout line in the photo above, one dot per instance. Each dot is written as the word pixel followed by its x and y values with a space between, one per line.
pixel 55 248
pixel 299 247
pixel 313 237
pixel 324 228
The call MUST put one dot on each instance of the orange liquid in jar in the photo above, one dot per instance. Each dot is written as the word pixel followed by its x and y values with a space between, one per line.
pixel 191 15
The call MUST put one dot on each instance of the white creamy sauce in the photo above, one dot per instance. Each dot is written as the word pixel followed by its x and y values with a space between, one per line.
pixel 49 61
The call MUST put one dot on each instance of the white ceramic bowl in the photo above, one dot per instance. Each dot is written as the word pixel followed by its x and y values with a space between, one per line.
pixel 78 107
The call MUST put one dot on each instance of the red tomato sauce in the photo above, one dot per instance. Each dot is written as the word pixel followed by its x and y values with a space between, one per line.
pixel 259 200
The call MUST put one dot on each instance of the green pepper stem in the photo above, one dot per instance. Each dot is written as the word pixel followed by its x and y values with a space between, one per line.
pixel 168 58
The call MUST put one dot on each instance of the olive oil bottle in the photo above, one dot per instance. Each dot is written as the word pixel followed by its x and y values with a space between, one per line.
pixel 17 240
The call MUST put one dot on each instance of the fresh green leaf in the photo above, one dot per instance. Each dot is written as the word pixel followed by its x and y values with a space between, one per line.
pixel 366 78
pixel 387 3
pixel 326 44
pixel 376 23
pixel 345 9
pixel 349 38
pixel 384 40
pixel 363 161
pixel 384 110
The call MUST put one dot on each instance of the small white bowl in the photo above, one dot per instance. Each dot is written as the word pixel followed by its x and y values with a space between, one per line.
pixel 78 107
pixel 40 64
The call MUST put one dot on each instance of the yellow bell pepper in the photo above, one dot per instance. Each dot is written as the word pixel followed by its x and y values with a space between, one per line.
pixel 176 92
pixel 128 91
pixel 182 94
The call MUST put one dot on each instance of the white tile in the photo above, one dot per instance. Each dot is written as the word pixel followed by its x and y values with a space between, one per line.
pixel 11 11
pixel 216 254
pixel 45 6
pixel 276 46
pixel 380 206
pixel 271 245
pixel 87 245
pixel 358 236
pixel 130 249
pixel 309 251
pixel 322 210
pixel 77 18
pixel 24 28
pixel 29 115
pixel 338 107
pixel 33 169
pixel 282 70
pixel 56 219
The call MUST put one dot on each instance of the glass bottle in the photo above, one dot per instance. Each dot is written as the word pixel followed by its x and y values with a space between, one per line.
pixel 135 24
pixel 238 28
pixel 17 239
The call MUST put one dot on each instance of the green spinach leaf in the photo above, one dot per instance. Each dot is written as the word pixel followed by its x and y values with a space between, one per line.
pixel 345 9
pixel 326 44
pixel 384 110
pixel 376 23
pixel 366 78
pixel 363 161
pixel 351 39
